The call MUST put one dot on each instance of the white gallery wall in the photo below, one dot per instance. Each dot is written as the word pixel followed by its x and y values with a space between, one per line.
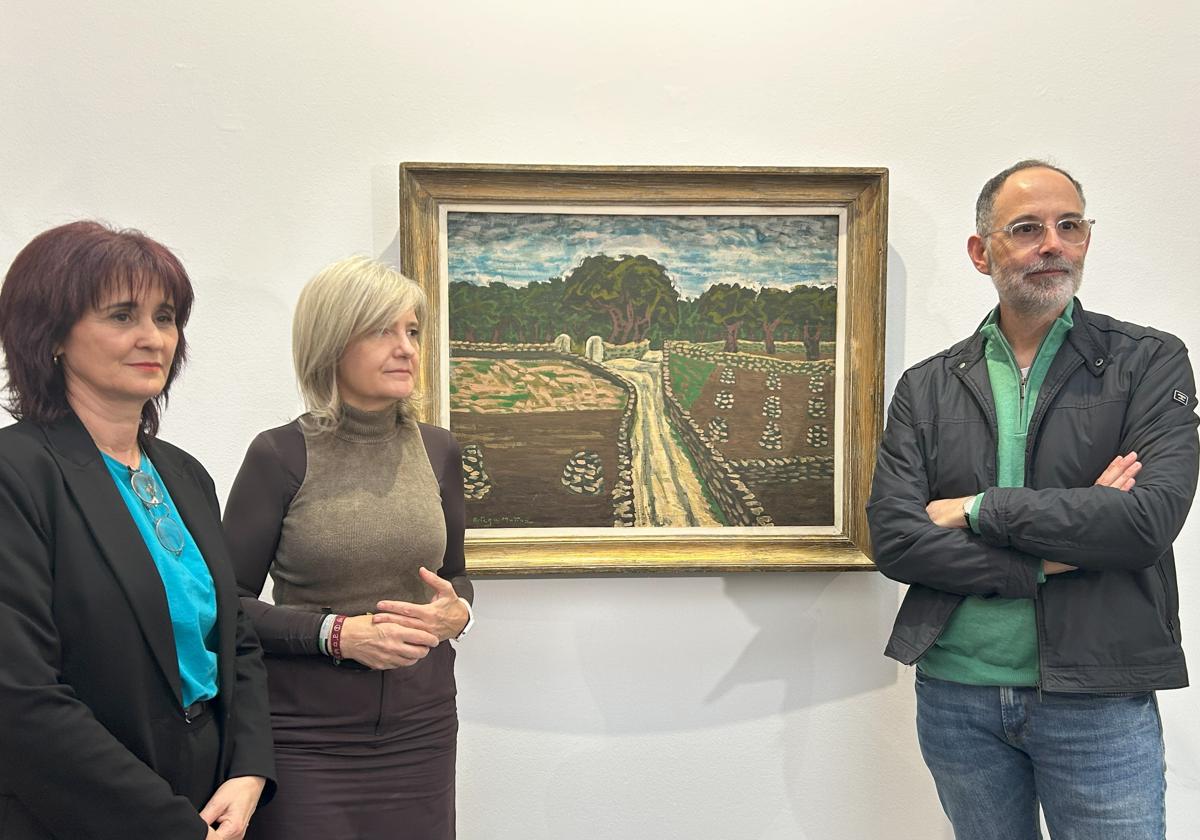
pixel 260 140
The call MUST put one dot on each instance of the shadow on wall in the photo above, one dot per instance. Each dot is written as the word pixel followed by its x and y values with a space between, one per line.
pixel 619 656
pixel 897 291
pixel 676 697
pixel 819 642
pixel 390 255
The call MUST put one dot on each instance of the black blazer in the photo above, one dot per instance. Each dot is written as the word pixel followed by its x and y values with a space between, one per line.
pixel 91 719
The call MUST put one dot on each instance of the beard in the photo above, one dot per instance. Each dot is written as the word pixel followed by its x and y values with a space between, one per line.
pixel 1031 296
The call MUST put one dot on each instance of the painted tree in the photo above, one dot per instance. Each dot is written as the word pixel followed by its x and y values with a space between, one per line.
pixel 634 292
pixel 473 314
pixel 689 326
pixel 650 296
pixel 815 315
pixel 510 315
pixel 729 305
pixel 775 309
pixel 542 300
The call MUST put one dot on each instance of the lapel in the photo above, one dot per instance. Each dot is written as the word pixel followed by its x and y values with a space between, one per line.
pixel 204 525
pixel 120 543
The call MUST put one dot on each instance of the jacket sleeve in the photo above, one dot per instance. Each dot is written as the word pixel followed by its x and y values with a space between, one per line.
pixel 251 745
pixel 1100 528
pixel 250 722
pixel 254 513
pixel 909 547
pixel 56 759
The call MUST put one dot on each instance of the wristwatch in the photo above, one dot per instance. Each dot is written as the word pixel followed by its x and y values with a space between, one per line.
pixel 968 503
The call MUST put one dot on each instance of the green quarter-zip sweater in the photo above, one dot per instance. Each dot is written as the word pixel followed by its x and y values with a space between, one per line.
pixel 993 641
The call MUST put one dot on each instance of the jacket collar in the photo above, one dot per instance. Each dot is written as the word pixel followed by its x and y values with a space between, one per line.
pixel 1083 339
pixel 1080 338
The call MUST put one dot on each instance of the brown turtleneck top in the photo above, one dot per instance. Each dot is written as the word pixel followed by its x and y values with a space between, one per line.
pixel 342 519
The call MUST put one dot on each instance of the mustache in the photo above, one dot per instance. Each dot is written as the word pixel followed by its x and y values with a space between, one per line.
pixel 1051 264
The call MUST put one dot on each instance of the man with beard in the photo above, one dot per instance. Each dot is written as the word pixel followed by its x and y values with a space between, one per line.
pixel 1029 486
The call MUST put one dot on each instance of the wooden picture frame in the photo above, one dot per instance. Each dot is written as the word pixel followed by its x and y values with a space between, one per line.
pixel 434 196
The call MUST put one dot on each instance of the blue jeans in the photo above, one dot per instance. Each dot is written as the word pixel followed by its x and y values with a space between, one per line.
pixel 1094 763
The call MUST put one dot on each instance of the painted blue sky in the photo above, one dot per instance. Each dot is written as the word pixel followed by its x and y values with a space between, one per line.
pixel 697 251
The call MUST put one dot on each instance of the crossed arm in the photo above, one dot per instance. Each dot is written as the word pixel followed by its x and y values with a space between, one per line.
pixel 1121 474
pixel 1107 525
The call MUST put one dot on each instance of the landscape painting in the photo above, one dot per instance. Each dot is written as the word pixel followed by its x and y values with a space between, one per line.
pixel 670 370
pixel 653 369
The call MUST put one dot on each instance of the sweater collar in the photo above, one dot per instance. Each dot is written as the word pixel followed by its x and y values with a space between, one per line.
pixel 996 343
pixel 358 426
pixel 1079 336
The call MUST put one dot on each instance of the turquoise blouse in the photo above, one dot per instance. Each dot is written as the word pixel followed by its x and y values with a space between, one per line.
pixel 191 596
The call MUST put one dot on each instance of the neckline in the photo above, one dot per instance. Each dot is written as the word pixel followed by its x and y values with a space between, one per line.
pixel 118 463
pixel 358 426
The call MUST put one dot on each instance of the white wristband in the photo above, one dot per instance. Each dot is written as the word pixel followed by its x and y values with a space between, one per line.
pixel 323 635
pixel 470 621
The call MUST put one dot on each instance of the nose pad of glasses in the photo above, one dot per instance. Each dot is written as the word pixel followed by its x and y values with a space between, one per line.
pixel 1052 240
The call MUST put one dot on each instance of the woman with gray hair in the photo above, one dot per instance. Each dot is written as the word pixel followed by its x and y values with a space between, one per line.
pixel 356 512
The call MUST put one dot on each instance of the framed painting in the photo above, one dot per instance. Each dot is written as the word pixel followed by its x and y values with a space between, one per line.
pixel 654 369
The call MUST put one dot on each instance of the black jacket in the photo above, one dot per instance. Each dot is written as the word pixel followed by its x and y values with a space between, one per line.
pixel 90 695
pixel 1113 388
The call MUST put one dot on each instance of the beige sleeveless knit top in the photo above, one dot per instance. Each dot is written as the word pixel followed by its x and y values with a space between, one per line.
pixel 367 516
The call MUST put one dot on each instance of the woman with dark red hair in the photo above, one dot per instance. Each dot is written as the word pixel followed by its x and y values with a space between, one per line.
pixel 132 687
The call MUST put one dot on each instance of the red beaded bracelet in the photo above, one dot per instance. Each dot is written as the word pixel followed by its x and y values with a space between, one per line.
pixel 335 637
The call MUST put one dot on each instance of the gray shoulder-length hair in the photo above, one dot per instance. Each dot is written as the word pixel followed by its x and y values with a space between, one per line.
pixel 344 301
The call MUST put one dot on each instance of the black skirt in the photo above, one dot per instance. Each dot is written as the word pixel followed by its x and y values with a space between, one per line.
pixel 361 754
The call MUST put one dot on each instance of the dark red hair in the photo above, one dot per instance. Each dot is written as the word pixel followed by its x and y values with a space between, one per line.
pixel 62 274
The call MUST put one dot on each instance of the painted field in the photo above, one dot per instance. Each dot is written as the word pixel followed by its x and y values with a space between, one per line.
pixel 490 386
pixel 539 440
pixel 762 417
pixel 524 457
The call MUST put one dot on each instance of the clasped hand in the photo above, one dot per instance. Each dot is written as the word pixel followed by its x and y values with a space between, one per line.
pixel 403 633
pixel 443 617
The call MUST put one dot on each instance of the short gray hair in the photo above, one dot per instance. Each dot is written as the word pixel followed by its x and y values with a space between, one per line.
pixel 985 206
pixel 344 301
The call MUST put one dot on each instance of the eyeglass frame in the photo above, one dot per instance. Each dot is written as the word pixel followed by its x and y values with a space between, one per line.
pixel 1008 229
pixel 158 498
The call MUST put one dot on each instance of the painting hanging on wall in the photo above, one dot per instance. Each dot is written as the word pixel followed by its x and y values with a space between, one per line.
pixel 653 369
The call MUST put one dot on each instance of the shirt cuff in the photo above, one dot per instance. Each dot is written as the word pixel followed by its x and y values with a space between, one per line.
pixel 973 514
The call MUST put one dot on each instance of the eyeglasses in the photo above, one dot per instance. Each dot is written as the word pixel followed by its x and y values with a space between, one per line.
pixel 1027 234
pixel 169 532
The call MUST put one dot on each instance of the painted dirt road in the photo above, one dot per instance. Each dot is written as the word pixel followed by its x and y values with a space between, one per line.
pixel 667 492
